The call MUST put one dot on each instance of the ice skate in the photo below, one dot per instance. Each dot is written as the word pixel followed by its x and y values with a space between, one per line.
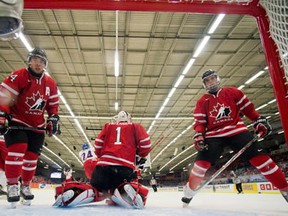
pixel 188 195
pixel 26 195
pixel 13 195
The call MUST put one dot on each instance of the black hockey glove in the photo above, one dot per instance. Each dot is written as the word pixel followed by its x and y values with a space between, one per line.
pixel 199 142
pixel 262 127
pixel 52 126
pixel 140 162
pixel 4 121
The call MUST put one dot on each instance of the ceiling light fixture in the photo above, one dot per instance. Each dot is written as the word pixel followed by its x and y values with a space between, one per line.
pixel 49 159
pixel 116 63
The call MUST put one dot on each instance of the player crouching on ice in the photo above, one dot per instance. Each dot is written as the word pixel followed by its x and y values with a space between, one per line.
pixel 114 176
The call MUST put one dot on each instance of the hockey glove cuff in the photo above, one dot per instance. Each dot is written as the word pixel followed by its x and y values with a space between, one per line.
pixel 52 126
pixel 262 126
pixel 199 142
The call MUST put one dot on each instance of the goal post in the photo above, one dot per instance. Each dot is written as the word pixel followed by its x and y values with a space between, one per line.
pixel 271 17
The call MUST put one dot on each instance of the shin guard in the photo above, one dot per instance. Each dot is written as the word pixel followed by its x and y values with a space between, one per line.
pixel 269 170
pixel 197 173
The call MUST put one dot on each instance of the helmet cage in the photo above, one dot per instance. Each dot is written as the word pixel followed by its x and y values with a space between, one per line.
pixel 212 88
pixel 123 116
pixel 37 52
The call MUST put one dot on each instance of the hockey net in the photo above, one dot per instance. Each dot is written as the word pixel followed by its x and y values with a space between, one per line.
pixel 277 11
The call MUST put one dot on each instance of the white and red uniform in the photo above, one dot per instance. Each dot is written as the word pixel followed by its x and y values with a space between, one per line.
pixel 219 115
pixel 34 96
pixel 122 140
pixel 89 160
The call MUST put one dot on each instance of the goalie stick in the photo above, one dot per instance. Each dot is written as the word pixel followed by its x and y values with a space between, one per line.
pixel 231 160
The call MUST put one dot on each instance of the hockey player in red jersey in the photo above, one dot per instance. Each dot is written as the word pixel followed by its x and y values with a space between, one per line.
pixel 218 124
pixel 28 92
pixel 115 176
pixel 116 147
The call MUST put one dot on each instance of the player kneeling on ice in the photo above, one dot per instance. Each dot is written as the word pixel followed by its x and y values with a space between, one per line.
pixel 114 174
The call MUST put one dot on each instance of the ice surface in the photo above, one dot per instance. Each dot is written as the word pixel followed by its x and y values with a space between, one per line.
pixel 159 203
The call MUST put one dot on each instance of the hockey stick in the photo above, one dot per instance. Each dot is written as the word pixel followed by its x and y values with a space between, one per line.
pixel 90 128
pixel 232 159
pixel 26 128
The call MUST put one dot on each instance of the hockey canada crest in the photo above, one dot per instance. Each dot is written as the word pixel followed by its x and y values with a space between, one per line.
pixel 220 111
pixel 36 102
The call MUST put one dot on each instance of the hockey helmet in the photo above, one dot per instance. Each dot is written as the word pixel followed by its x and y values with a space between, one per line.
pixel 85 146
pixel 214 87
pixel 123 116
pixel 38 53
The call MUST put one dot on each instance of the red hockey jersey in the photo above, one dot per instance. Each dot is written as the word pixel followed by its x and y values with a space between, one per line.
pixel 33 97
pixel 219 115
pixel 118 143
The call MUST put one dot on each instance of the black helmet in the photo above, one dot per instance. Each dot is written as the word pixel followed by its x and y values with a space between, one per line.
pixel 214 88
pixel 39 53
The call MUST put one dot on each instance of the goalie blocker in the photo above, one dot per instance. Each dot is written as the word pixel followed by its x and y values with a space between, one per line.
pixel 128 195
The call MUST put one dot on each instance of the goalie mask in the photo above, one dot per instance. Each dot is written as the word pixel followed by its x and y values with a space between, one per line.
pixel 10 19
pixel 211 81
pixel 123 116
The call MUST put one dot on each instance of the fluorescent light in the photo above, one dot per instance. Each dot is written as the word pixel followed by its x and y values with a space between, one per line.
pixel 166 101
pixel 201 46
pixel 254 77
pixel 216 23
pixel 42 154
pixel 116 106
pixel 188 66
pixel 241 87
pixel 25 42
pixel 264 105
pixel 116 64
pixel 272 101
pixel 179 81
pixel 171 92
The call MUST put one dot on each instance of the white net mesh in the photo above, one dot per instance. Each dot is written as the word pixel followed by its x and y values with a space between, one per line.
pixel 277 11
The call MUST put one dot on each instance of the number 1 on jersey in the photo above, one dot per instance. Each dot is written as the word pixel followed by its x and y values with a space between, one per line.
pixel 118 142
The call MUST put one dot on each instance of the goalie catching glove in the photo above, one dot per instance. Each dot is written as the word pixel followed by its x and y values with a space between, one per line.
pixel 52 126
pixel 199 142
pixel 262 127
pixel 4 120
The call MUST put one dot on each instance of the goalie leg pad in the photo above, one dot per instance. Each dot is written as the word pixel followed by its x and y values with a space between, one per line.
pixel 63 198
pixel 127 197
pixel 85 197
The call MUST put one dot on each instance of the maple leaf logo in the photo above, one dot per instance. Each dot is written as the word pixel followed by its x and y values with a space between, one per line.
pixel 220 111
pixel 36 102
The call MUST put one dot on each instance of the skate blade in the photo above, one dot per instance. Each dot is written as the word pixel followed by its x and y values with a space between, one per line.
pixel 26 202
pixel 13 205
pixel 185 205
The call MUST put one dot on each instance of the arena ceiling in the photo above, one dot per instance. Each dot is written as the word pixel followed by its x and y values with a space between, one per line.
pixel 154 48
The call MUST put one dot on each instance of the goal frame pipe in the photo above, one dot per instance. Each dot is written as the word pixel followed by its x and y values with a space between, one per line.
pixel 197 6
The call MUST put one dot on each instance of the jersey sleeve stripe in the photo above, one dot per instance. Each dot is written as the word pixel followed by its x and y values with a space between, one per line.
pixel 10 89
pixel 99 140
pixel 245 105
pixel 144 140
